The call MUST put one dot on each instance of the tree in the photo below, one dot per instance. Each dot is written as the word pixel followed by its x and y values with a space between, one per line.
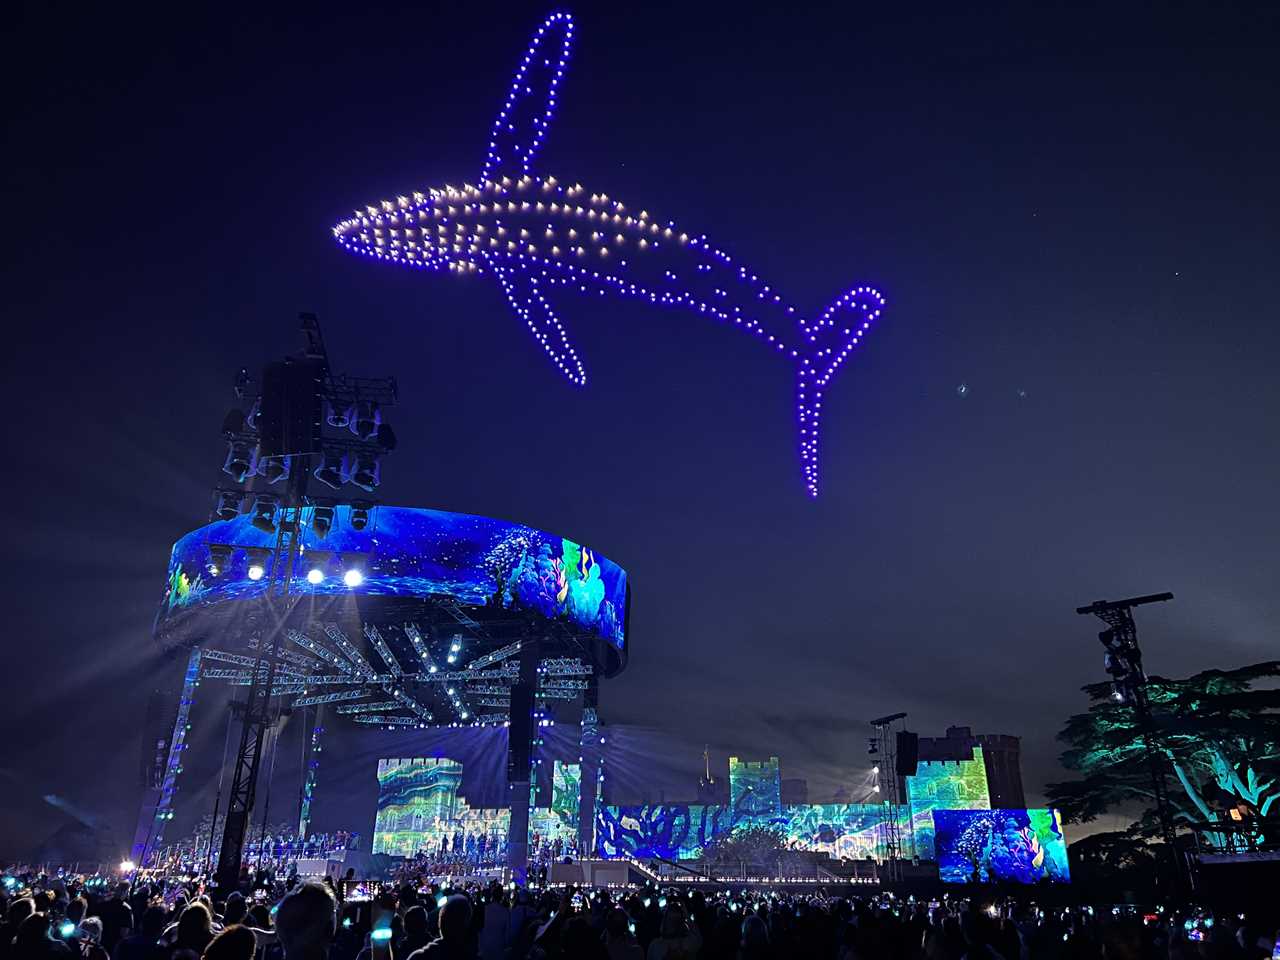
pixel 755 844
pixel 1119 866
pixel 1218 736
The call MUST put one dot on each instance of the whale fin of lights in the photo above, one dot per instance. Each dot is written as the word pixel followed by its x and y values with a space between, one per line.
pixel 543 240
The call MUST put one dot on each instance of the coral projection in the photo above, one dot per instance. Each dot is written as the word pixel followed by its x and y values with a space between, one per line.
pixel 543 241
pixel 1018 846
pixel 411 551
pixel 943 785
pixel 421 811
pixel 847 830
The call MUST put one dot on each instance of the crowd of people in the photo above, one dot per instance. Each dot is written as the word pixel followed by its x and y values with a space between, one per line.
pixel 165 917
pixel 274 850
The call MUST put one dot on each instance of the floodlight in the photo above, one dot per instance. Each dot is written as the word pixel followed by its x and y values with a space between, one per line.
pixel 258 557
pixel 336 416
pixel 228 507
pixel 368 416
pixel 240 462
pixel 274 469
pixel 367 473
pixel 332 471
pixel 353 577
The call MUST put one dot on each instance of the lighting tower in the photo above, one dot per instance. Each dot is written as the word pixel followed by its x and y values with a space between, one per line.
pixel 279 439
pixel 884 748
pixel 1123 661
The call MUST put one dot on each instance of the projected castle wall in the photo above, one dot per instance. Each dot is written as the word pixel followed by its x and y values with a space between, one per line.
pixel 947 816
pixel 842 830
pixel 421 811
pixel 943 785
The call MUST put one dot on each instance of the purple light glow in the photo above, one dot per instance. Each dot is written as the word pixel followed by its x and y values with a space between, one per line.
pixel 533 235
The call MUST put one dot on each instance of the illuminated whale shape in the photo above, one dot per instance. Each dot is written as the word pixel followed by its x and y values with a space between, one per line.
pixel 542 240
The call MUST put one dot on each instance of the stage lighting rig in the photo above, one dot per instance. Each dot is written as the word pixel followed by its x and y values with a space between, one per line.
pixel 219 559
pixel 241 460
pixel 322 521
pixel 264 513
pixel 368 472
pixel 228 504
pixel 332 471
pixel 283 440
pixel 258 558
pixel 360 514
pixel 1123 662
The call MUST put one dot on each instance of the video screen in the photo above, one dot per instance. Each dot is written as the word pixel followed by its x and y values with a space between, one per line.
pixel 406 551
pixel 990 846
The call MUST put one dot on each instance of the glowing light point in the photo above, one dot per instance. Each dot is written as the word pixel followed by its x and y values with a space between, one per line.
pixel 353 578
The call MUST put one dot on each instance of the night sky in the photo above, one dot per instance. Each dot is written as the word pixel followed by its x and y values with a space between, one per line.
pixel 1072 396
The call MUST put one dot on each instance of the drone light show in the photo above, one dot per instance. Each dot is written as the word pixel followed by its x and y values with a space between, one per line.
pixel 542 240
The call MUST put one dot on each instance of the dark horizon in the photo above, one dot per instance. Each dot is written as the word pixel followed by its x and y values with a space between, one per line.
pixel 1071 396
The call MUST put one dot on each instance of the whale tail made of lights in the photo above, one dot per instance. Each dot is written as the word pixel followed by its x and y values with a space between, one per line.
pixel 541 240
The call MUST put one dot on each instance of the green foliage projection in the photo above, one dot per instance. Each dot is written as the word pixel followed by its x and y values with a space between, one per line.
pixel 1218 735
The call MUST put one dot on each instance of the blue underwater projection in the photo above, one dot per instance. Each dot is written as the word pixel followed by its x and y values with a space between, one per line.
pixel 408 551
pixel 984 846
pixel 681 831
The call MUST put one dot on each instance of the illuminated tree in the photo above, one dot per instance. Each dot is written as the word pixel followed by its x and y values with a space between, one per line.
pixel 1218 736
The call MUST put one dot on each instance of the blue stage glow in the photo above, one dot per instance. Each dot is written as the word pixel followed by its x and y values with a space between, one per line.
pixel 542 240
pixel 412 552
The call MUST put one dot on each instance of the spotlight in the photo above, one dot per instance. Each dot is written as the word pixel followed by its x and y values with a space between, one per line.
pixel 322 521
pixel 219 558
pixel 127 866
pixel 264 514
pixel 228 505
pixel 274 469
pixel 368 472
pixel 353 577
pixel 368 417
pixel 332 471
pixel 257 563
pixel 359 517
pixel 337 416
pixel 875 769
pixel 240 462
pixel 316 568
